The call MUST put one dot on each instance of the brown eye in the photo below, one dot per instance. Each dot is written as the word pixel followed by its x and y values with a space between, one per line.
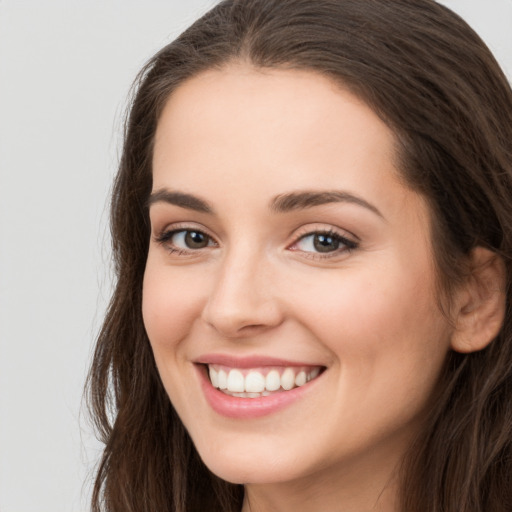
pixel 325 243
pixel 185 240
pixel 195 239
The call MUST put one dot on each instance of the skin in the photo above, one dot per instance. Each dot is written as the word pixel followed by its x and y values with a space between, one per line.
pixel 237 138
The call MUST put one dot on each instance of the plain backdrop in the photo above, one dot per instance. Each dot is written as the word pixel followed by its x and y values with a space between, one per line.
pixel 65 70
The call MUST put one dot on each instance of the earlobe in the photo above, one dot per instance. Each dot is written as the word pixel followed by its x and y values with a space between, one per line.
pixel 481 303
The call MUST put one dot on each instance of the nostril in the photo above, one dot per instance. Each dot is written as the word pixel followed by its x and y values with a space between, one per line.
pixel 238 331
pixel 245 320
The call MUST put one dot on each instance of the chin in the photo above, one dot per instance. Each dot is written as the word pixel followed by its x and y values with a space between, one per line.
pixel 249 473
pixel 240 465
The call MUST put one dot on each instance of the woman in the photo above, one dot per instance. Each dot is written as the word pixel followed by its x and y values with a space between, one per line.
pixel 312 225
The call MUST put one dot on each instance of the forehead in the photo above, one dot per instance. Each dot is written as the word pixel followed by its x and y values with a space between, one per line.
pixel 269 97
pixel 273 130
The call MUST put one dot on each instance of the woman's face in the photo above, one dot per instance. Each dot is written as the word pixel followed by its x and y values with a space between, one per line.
pixel 289 261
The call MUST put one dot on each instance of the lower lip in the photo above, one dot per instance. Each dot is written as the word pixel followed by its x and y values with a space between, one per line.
pixel 248 408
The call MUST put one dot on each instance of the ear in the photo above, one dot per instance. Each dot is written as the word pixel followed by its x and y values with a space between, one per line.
pixel 480 302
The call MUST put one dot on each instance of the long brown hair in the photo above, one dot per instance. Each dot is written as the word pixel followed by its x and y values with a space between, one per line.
pixel 438 87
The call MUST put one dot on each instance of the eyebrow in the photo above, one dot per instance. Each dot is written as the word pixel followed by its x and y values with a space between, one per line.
pixel 308 199
pixel 282 203
pixel 182 199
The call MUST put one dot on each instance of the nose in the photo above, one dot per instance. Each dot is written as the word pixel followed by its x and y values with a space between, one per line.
pixel 244 300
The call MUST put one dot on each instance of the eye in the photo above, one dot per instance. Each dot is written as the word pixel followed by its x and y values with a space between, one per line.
pixel 190 239
pixel 184 240
pixel 323 243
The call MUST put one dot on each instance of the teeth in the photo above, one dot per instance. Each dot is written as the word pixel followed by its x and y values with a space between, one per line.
pixel 300 380
pixel 314 374
pixel 236 381
pixel 273 381
pixel 253 383
pixel 246 395
pixel 222 379
pixel 288 379
pixel 214 377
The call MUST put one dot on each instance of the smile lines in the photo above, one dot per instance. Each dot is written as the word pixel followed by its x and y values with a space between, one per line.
pixel 254 383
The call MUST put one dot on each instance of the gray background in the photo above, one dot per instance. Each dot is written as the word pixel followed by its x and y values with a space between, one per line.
pixel 65 70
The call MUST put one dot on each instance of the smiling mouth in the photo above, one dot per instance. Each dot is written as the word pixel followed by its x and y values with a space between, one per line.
pixel 260 382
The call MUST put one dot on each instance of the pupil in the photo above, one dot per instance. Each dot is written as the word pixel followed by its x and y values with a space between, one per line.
pixel 195 240
pixel 325 243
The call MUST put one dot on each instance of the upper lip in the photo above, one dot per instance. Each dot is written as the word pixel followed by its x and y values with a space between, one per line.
pixel 248 361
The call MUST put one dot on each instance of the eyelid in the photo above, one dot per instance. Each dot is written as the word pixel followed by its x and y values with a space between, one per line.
pixel 182 226
pixel 164 236
pixel 349 241
pixel 318 227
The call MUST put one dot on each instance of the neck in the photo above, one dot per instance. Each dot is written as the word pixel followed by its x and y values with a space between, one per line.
pixel 314 498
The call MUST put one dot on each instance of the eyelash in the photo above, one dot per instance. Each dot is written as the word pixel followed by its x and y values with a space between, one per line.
pixel 347 244
pixel 165 237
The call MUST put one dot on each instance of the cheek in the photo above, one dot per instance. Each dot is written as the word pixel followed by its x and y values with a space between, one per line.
pixel 387 300
pixel 170 305
pixel 382 327
pixel 388 344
